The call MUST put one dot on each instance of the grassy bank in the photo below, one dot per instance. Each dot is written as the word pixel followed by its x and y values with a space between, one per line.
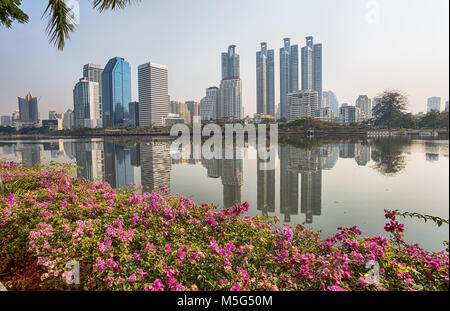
pixel 156 241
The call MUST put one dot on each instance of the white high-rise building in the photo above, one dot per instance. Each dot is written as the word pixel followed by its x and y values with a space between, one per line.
pixel 302 104
pixel 434 103
pixel 209 105
pixel 86 104
pixel 153 84
pixel 365 105
pixel 230 94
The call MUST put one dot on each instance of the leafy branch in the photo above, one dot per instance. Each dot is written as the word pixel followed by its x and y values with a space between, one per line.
pixel 437 220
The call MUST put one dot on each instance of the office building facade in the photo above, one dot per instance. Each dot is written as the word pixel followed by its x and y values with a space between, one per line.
pixel 86 105
pixel 116 92
pixel 153 84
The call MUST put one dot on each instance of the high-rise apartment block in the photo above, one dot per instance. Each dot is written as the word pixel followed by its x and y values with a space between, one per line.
pixel 312 67
pixel 288 74
pixel 230 94
pixel 302 104
pixel 365 105
pixel 265 80
pixel 209 105
pixel 181 109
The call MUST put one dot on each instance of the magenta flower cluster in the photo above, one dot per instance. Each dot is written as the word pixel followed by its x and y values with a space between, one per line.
pixel 126 240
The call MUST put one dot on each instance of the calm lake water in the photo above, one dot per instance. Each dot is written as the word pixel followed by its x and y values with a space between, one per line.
pixel 324 184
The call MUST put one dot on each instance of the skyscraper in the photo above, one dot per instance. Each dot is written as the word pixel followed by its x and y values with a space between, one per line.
pixel 230 102
pixel 86 105
pixel 365 105
pixel 116 91
pixel 288 74
pixel 265 80
pixel 312 67
pixel 28 109
pixel 93 73
pixel 209 105
pixel 329 99
pixel 434 103
pixel 153 84
pixel 194 109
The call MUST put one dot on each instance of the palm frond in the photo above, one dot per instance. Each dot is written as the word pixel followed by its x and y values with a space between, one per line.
pixel 103 5
pixel 59 23
pixel 10 11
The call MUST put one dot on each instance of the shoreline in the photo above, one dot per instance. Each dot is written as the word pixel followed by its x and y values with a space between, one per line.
pixel 319 133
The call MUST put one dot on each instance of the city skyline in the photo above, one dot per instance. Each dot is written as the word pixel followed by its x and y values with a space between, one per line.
pixel 347 71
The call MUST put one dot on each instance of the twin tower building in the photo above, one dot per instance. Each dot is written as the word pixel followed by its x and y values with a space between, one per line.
pixel 102 98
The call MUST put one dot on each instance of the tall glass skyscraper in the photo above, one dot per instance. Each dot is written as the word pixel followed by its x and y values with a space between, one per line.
pixel 288 74
pixel 116 91
pixel 230 101
pixel 265 80
pixel 312 67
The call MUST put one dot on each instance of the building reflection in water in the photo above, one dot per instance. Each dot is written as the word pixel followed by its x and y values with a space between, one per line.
pixel 265 188
pixel 288 185
pixel 90 160
pixel 156 165
pixel 29 153
pixel 232 179
pixel 300 179
pixel 231 173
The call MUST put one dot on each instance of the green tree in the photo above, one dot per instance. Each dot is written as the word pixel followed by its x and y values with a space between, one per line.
pixel 390 108
pixel 407 121
pixel 60 24
pixel 431 120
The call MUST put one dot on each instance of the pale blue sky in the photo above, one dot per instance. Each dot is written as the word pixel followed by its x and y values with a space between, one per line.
pixel 408 49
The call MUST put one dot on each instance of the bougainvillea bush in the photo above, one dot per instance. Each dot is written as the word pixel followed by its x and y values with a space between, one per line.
pixel 124 240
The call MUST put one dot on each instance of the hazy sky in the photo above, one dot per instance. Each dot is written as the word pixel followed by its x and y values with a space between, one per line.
pixel 405 46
